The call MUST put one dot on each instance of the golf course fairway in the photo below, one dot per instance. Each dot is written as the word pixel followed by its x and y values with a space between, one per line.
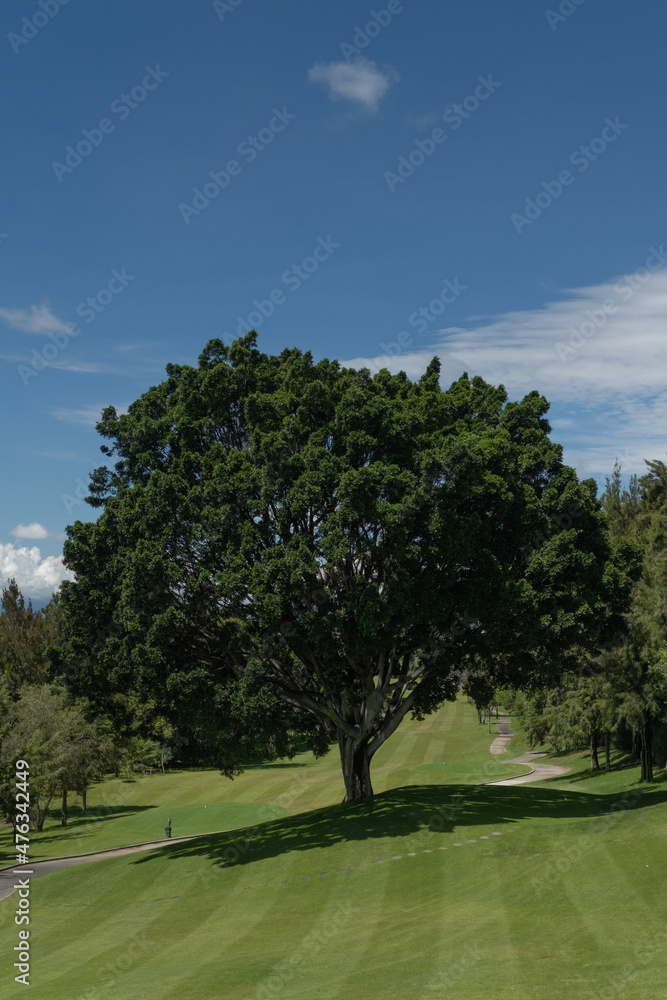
pixel 444 886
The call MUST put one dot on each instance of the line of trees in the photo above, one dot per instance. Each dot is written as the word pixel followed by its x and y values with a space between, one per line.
pixel 620 695
pixel 66 740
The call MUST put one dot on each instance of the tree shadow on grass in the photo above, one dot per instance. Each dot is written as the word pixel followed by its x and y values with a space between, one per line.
pixel 269 765
pixel 403 812
pixel 659 775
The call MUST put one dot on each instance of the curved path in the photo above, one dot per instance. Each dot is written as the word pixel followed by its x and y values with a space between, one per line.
pixel 499 745
pixel 538 772
pixel 9 876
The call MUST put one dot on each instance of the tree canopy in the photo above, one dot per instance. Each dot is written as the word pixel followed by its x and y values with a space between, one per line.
pixel 25 634
pixel 291 552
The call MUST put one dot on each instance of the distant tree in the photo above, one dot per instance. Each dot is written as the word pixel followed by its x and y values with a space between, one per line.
pixel 636 667
pixel 34 734
pixel 25 635
pixel 295 551
pixel 61 747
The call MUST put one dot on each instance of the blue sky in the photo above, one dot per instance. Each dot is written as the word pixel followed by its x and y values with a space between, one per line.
pixel 378 184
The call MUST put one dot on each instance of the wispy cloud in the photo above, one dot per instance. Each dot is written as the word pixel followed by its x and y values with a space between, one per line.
pixel 361 81
pixel 423 122
pixel 60 456
pixel 85 416
pixel 87 367
pixel 137 345
pixel 81 367
pixel 36 319
pixel 32 530
pixel 35 575
pixel 603 370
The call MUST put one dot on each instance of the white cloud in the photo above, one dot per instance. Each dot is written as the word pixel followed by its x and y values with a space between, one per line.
pixel 360 81
pixel 608 368
pixel 423 122
pixel 60 456
pixel 138 345
pixel 36 577
pixel 87 367
pixel 86 416
pixel 32 530
pixel 37 319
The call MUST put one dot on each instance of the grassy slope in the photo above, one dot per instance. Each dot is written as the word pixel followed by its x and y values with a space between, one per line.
pixel 201 801
pixel 562 904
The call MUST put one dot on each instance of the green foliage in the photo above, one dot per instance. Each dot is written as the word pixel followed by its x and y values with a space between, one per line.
pixel 25 635
pixel 63 749
pixel 296 551
pixel 625 685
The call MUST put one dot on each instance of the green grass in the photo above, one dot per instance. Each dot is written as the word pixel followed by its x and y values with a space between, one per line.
pixel 568 902
pixel 441 749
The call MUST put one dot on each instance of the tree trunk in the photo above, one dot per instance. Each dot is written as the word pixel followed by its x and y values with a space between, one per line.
pixel 607 746
pixel 356 766
pixel 595 739
pixel 479 717
pixel 40 814
pixel 646 757
pixel 84 795
pixel 63 808
pixel 634 750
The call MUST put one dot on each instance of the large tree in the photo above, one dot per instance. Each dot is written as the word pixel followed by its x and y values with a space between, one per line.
pixel 292 551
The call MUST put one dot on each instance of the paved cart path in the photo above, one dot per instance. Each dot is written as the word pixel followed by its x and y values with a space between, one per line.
pixel 10 876
pixel 499 745
pixel 538 772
